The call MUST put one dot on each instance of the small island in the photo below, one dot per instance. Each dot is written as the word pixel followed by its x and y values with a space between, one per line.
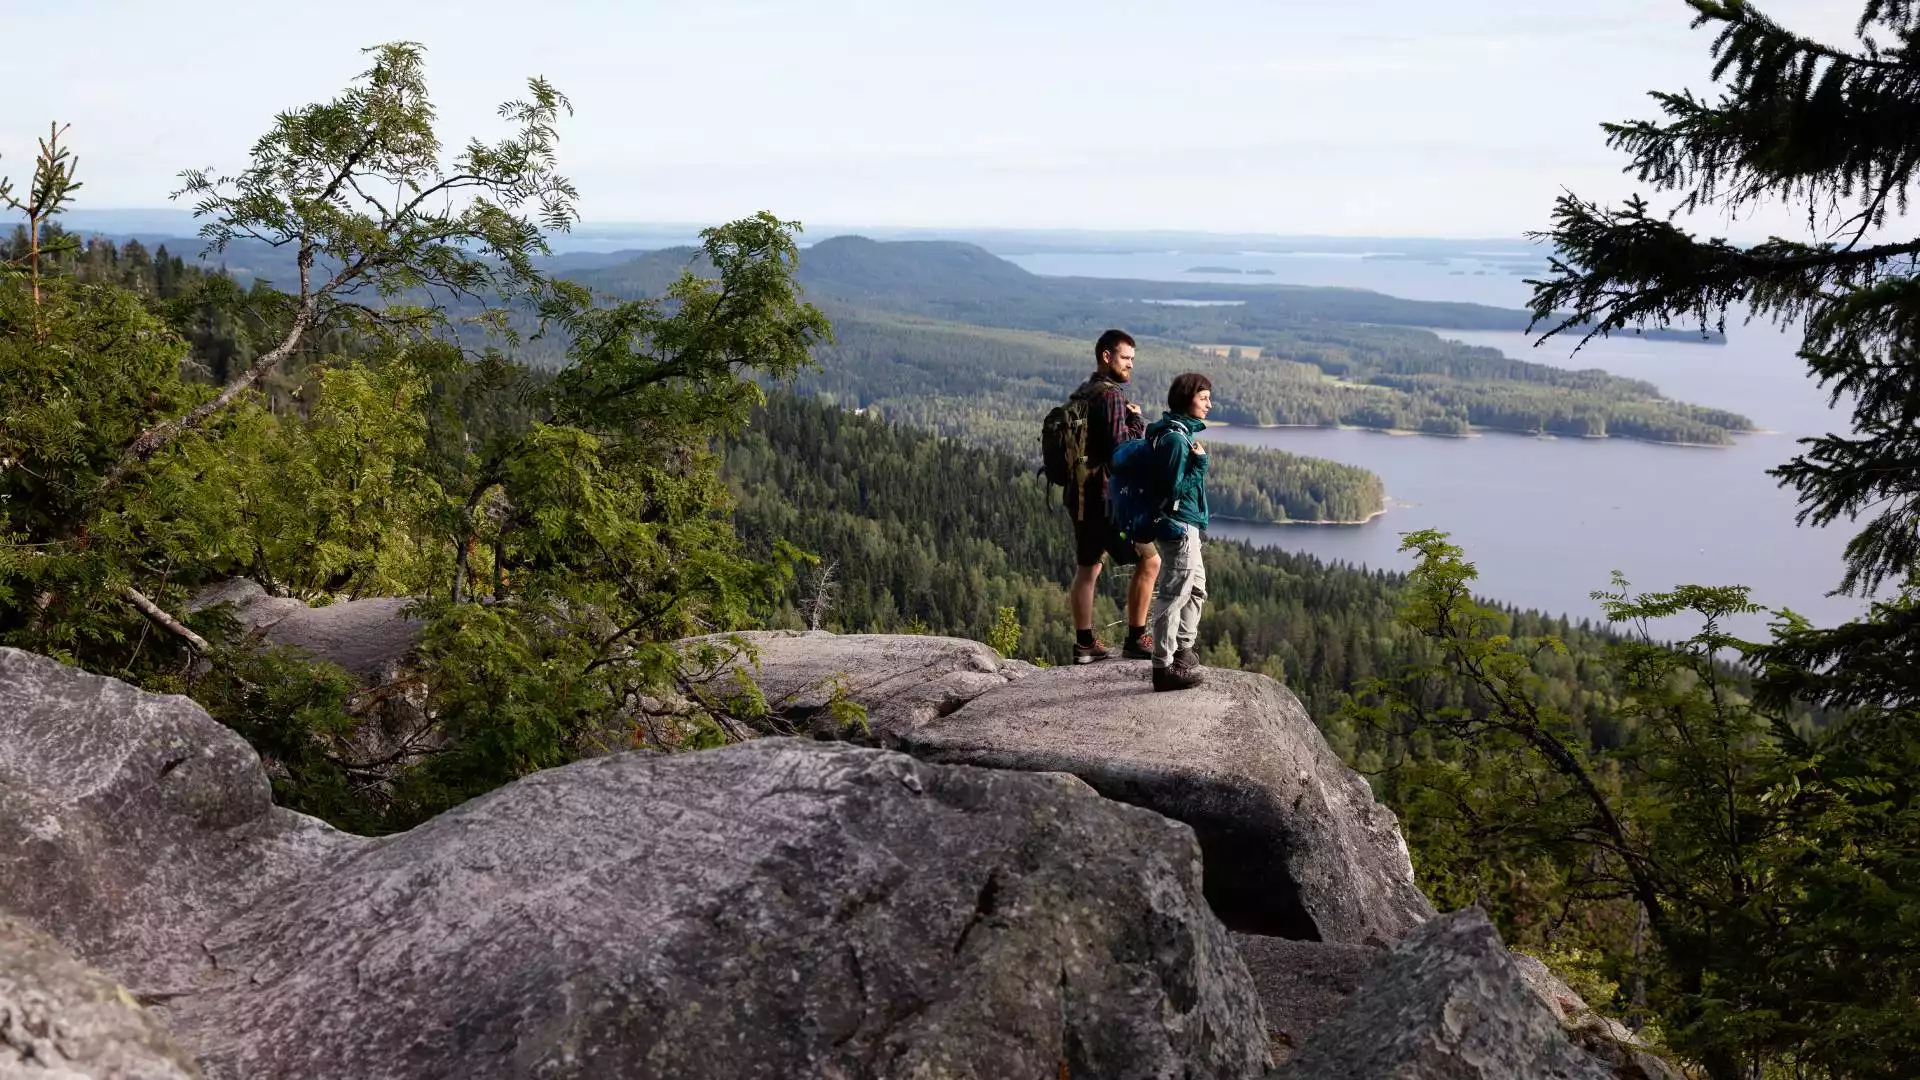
pixel 1216 270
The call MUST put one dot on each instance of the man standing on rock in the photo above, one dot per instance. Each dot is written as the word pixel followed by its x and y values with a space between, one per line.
pixel 1181 590
pixel 1111 420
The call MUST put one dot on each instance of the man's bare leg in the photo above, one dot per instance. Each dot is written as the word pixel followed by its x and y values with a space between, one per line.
pixel 1140 590
pixel 1080 595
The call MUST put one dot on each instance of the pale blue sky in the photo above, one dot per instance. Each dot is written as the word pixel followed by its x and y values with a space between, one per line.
pixel 1369 117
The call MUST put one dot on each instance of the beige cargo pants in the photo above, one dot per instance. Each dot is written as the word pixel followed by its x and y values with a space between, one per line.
pixel 1178 594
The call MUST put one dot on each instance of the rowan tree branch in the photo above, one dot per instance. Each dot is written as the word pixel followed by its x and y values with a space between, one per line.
pixel 157 437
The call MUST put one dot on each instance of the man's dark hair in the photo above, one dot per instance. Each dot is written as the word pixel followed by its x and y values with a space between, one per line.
pixel 1184 389
pixel 1110 341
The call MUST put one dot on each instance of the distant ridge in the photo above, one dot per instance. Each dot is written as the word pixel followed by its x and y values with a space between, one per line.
pixel 962 282
pixel 946 279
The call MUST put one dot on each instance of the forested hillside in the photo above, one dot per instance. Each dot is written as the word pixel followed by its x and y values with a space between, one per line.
pixel 992 387
pixel 1313 356
pixel 911 316
pixel 965 283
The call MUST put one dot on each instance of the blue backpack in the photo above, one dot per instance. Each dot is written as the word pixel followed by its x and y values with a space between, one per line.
pixel 1138 487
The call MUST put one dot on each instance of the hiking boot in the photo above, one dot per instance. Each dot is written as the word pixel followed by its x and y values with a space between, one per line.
pixel 1140 648
pixel 1186 658
pixel 1087 654
pixel 1173 678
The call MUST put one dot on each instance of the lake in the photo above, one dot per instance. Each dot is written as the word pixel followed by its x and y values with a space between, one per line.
pixel 1548 520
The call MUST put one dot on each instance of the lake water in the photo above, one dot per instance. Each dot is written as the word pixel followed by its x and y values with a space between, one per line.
pixel 1459 278
pixel 1548 520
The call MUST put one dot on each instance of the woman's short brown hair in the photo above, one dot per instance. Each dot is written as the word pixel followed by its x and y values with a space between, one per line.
pixel 1185 388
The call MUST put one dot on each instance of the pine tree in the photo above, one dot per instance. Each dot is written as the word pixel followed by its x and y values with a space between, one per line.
pixel 1832 131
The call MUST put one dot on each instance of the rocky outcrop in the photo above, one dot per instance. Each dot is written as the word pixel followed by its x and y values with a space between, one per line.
pixel 1295 844
pixel 61 1020
pixel 780 908
pixel 777 909
pixel 371 638
pixel 132 825
pixel 902 680
pixel 1301 984
pixel 1447 1001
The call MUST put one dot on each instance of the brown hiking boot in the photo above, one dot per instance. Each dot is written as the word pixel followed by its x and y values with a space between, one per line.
pixel 1087 654
pixel 1186 658
pixel 1174 678
pixel 1140 648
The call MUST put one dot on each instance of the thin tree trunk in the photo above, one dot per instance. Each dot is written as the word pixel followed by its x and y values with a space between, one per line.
pixel 464 552
pixel 152 440
pixel 33 265
pixel 165 621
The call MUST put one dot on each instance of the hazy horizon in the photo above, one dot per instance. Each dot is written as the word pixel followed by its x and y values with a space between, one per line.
pixel 165 220
pixel 1240 118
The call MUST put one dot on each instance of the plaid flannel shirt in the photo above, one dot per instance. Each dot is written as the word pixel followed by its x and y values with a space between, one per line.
pixel 1102 439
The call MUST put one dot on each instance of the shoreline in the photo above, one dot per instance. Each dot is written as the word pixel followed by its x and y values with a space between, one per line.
pixel 1479 431
pixel 1385 505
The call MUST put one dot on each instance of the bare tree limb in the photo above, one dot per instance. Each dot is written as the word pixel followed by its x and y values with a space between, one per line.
pixel 165 621
pixel 155 438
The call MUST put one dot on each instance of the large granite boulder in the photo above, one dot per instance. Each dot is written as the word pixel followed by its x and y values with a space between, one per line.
pixel 61 1020
pixel 902 680
pixel 132 825
pixel 1295 844
pixel 782 908
pixel 1447 1001
pixel 777 909
pixel 372 639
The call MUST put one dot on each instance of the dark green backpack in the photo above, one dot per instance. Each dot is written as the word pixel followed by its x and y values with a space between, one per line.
pixel 1063 449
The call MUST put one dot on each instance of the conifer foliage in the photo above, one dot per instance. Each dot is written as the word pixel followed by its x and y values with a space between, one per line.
pixel 1746 878
pixel 1834 132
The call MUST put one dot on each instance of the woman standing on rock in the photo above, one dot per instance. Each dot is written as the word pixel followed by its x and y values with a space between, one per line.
pixel 1180 591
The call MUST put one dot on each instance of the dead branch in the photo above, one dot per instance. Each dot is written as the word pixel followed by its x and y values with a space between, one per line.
pixel 165 621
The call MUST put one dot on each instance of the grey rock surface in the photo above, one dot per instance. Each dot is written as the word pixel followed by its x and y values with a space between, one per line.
pixel 1446 1003
pixel 783 908
pixel 1560 999
pixel 902 680
pixel 1301 984
pixel 371 638
pixel 1295 844
pixel 132 824
pixel 61 1020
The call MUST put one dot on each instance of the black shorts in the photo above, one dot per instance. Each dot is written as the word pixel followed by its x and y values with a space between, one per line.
pixel 1094 536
